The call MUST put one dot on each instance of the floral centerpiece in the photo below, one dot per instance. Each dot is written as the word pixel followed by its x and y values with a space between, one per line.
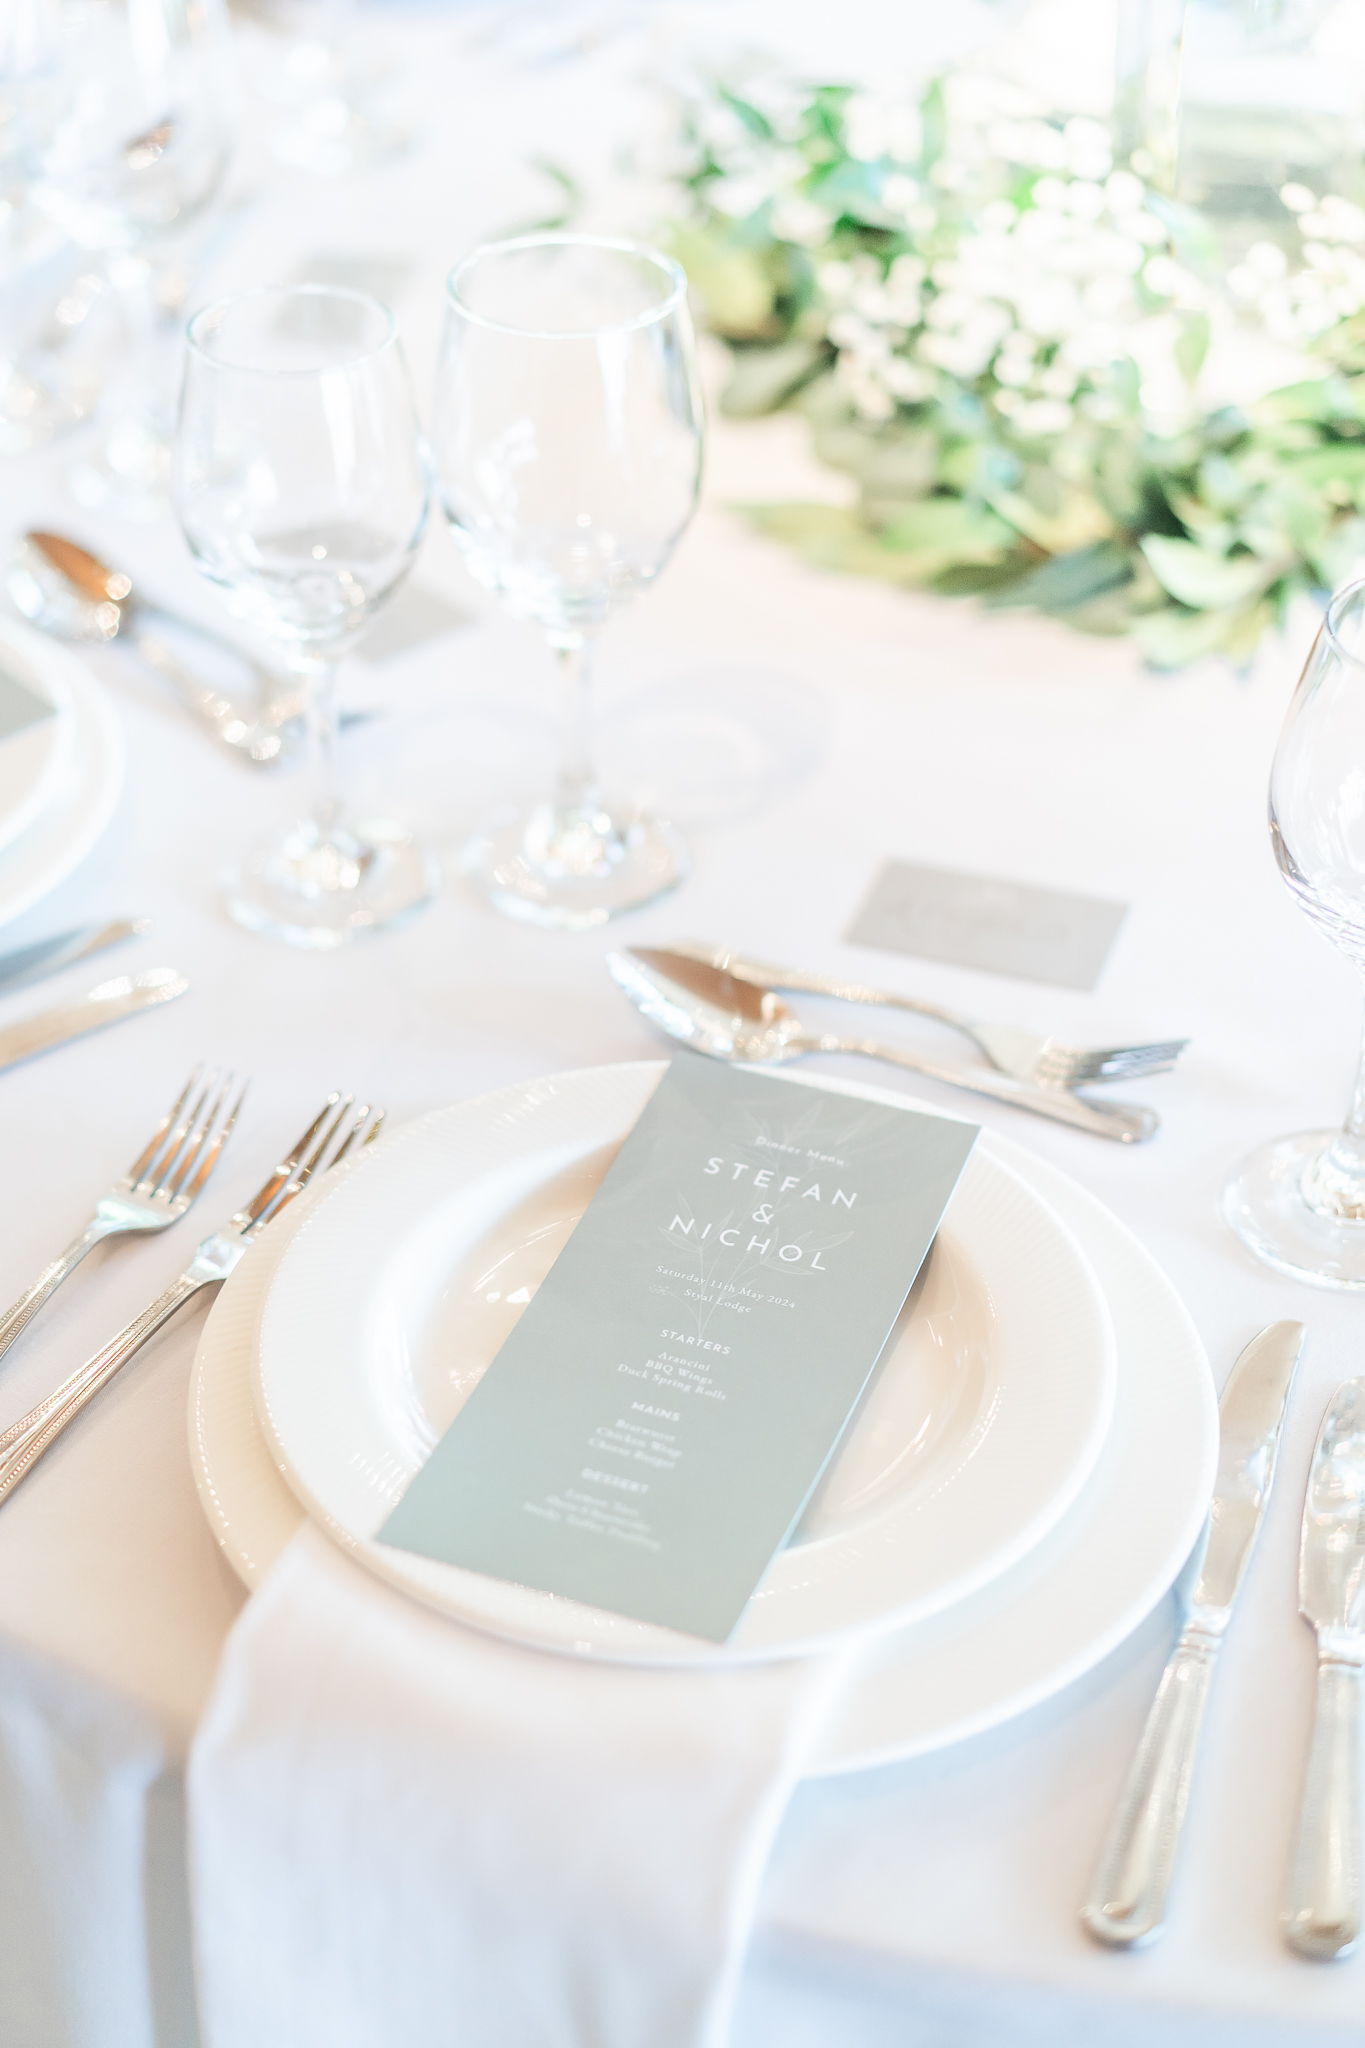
pixel 1047 387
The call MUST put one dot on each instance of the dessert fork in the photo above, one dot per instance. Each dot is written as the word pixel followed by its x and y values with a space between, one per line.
pixel 155 1192
pixel 24 1442
pixel 1027 1055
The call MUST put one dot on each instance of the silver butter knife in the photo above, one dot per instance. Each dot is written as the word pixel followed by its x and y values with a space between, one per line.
pixel 107 1004
pixel 1320 1916
pixel 48 956
pixel 1127 1899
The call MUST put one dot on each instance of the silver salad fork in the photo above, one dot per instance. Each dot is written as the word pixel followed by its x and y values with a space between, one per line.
pixel 155 1192
pixel 24 1442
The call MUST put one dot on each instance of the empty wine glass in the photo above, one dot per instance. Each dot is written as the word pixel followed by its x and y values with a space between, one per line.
pixel 301 483
pixel 132 149
pixel 568 441
pixel 1299 1202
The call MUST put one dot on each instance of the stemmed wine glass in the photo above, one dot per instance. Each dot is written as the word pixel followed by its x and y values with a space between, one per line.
pixel 1299 1202
pixel 302 486
pixel 567 432
pixel 131 150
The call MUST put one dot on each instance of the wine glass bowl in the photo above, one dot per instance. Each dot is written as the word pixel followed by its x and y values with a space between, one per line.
pixel 567 436
pixel 302 489
pixel 1299 1202
pixel 137 131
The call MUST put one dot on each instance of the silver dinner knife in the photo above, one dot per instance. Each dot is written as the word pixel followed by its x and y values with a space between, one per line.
pixel 48 956
pixel 107 1004
pixel 1127 1899
pixel 1320 1916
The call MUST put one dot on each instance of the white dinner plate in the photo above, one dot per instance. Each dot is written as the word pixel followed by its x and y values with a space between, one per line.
pixel 82 799
pixel 1039 1627
pixel 32 760
pixel 984 1419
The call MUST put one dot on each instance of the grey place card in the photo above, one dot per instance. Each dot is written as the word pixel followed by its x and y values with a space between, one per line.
pixel 20 707
pixel 983 921
pixel 650 1432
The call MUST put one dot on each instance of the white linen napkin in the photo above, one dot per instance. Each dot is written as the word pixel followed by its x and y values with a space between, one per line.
pixel 404 1832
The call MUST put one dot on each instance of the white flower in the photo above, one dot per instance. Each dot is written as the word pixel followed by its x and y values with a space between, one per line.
pixel 1297 198
pixel 1042 417
pixel 798 219
pixel 1089 152
pixel 906 380
pixel 1267 260
pixel 899 193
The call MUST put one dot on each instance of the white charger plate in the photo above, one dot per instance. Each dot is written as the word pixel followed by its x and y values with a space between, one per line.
pixel 33 759
pixel 82 801
pixel 983 1421
pixel 1035 1630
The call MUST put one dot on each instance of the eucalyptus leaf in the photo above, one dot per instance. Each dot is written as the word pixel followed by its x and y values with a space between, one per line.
pixel 1204 581
pixel 1065 581
pixel 765 378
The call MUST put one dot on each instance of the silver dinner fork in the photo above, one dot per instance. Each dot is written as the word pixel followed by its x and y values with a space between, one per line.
pixel 157 1189
pixel 321 1146
pixel 1028 1055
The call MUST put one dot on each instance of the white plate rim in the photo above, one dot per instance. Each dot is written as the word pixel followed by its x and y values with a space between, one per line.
pixel 1054 1398
pixel 57 841
pixel 48 679
pixel 253 1516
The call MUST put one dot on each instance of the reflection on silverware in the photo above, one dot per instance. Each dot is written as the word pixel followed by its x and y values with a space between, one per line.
pixel 1320 1916
pixel 108 1004
pixel 28 964
pixel 1028 1055
pixel 62 588
pixel 714 1013
pixel 327 1140
pixel 154 1193
pixel 1126 1905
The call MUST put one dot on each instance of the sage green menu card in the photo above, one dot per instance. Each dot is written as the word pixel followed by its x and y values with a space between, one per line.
pixel 648 1435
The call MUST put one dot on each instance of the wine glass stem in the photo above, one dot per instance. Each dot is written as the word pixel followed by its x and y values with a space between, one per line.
pixel 577 794
pixel 1348 1150
pixel 320 678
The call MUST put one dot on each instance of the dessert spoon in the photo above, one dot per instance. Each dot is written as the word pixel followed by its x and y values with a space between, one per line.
pixel 62 588
pixel 716 1013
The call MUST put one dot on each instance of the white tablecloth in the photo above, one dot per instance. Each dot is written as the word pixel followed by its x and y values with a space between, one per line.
pixel 801 729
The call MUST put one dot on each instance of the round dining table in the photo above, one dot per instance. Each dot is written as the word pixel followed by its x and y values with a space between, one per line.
pixel 801 728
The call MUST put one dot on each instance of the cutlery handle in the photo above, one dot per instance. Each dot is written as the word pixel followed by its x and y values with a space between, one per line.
pixel 810 983
pixel 1127 1900
pixel 23 1443
pixel 1320 1916
pixel 1125 1123
pixel 49 1280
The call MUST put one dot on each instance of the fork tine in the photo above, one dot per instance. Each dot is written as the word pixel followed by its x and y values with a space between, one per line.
pixel 144 1159
pixel 211 1158
pixel 299 1178
pixel 154 1182
pixel 205 1117
pixel 356 1128
pixel 208 1154
pixel 262 1200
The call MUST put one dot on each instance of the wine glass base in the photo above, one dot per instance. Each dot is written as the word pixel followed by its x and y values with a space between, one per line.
pixel 306 888
pixel 1265 1204
pixel 632 862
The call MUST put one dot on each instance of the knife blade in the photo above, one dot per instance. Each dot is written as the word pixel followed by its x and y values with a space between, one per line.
pixel 1126 1904
pixel 107 1004
pixel 48 956
pixel 1320 1914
